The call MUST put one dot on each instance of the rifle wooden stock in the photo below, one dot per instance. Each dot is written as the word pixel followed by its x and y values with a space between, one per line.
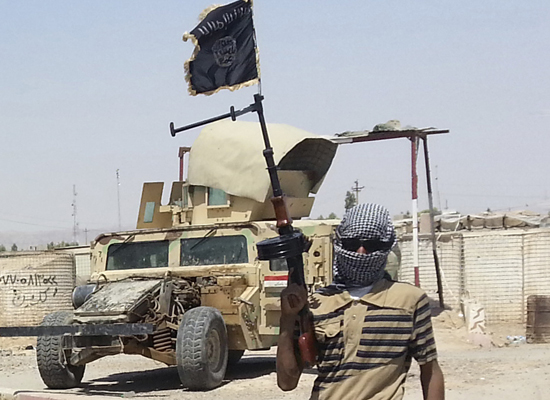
pixel 307 342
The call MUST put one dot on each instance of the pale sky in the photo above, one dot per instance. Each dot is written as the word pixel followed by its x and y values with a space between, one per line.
pixel 89 87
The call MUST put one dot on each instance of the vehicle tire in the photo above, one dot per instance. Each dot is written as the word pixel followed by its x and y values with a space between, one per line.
pixel 201 348
pixel 234 356
pixel 54 369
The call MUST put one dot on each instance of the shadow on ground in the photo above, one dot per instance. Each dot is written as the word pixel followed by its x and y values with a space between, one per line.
pixel 251 367
pixel 166 378
pixel 150 381
pixel 436 310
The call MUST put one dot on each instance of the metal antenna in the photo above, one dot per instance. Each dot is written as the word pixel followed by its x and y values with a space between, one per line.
pixel 357 189
pixel 75 223
pixel 118 197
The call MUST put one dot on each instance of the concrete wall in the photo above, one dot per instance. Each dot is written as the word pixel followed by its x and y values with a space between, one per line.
pixel 499 269
pixel 34 284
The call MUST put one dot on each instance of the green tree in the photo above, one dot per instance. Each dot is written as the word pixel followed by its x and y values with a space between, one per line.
pixel 330 216
pixel 427 211
pixel 350 200
pixel 14 247
pixel 2 248
pixel 60 245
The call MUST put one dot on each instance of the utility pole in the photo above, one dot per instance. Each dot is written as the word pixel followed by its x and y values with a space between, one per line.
pixel 437 190
pixel 118 197
pixel 75 223
pixel 86 235
pixel 357 189
pixel 414 181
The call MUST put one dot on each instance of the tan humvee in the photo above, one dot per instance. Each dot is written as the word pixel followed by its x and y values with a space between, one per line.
pixel 186 288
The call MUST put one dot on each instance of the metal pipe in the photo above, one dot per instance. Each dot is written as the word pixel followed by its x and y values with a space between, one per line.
pixel 173 130
pixel 181 165
pixel 233 114
pixel 432 224
pixel 414 189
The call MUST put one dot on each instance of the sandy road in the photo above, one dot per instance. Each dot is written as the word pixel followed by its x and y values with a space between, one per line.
pixel 503 373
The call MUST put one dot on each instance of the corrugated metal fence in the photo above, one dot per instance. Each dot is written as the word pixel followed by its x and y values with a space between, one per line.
pixel 82 261
pixel 499 269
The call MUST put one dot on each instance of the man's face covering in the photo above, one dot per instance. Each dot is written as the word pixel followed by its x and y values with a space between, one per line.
pixel 369 226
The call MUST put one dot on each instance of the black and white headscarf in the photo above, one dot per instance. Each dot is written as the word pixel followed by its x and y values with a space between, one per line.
pixel 366 222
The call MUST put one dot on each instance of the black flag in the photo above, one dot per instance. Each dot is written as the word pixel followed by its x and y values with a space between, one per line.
pixel 225 55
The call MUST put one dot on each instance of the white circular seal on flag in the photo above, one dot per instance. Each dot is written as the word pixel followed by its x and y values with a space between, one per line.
pixel 224 51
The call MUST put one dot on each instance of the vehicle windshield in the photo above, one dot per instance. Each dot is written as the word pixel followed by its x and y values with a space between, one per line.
pixel 137 255
pixel 212 250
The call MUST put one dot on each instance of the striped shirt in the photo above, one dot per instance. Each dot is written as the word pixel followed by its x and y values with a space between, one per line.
pixel 366 345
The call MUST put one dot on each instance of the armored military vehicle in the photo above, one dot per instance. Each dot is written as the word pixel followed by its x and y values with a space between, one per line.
pixel 186 287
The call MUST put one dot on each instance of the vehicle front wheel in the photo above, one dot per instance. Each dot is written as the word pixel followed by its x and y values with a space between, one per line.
pixel 201 348
pixel 52 362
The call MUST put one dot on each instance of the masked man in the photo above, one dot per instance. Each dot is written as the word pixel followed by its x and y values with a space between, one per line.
pixel 368 327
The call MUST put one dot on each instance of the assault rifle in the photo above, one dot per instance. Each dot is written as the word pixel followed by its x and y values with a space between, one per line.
pixel 290 244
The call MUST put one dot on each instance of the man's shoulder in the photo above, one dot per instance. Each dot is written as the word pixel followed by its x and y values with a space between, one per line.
pixel 403 295
pixel 386 293
pixel 405 289
pixel 321 303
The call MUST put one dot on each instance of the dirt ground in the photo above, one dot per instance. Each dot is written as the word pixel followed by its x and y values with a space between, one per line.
pixel 498 371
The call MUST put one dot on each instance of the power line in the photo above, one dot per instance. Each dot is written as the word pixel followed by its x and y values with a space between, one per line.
pixel 30 223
